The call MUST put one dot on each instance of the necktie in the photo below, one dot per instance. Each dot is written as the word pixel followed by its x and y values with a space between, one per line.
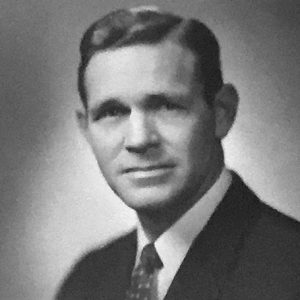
pixel 142 279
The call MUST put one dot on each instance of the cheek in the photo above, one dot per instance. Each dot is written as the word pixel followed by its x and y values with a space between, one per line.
pixel 190 143
pixel 201 148
pixel 185 136
pixel 105 144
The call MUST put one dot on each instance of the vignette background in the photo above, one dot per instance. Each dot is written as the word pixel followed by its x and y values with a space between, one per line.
pixel 54 204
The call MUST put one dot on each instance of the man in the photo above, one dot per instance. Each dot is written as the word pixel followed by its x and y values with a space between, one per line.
pixel 155 110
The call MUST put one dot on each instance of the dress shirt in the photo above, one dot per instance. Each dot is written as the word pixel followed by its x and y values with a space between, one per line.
pixel 173 245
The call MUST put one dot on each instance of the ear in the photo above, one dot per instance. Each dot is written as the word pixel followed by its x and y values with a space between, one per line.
pixel 225 106
pixel 82 122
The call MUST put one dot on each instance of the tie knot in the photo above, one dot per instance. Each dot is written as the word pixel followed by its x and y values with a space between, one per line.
pixel 150 259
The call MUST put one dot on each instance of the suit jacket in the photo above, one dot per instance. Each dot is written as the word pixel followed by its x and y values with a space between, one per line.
pixel 246 251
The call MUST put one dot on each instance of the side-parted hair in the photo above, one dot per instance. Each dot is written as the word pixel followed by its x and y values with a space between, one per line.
pixel 122 28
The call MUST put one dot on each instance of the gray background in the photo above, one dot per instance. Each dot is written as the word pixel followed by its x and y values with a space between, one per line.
pixel 53 202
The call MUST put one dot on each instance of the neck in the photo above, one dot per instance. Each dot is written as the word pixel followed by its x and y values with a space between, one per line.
pixel 155 222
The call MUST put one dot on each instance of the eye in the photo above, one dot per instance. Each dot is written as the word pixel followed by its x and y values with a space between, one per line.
pixel 170 106
pixel 162 102
pixel 112 112
pixel 109 109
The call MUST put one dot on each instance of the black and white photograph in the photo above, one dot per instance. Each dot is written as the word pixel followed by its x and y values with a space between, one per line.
pixel 150 150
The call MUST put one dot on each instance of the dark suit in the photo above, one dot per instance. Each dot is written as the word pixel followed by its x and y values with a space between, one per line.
pixel 246 251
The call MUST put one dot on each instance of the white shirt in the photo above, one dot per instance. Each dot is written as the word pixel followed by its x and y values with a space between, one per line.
pixel 173 245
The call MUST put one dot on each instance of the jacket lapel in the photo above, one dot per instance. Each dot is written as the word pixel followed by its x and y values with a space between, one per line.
pixel 117 279
pixel 213 255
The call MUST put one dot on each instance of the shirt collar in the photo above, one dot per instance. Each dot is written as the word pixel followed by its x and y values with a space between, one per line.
pixel 174 243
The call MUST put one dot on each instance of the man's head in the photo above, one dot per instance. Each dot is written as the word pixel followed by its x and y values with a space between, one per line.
pixel 155 109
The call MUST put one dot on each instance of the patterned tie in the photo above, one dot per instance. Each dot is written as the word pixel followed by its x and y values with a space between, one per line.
pixel 142 278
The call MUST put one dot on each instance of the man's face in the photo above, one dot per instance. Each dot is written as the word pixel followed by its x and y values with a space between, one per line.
pixel 148 124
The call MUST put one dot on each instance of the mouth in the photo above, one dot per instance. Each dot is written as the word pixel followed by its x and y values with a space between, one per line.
pixel 151 175
pixel 148 169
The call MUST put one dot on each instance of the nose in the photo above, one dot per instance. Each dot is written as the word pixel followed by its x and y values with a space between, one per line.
pixel 141 134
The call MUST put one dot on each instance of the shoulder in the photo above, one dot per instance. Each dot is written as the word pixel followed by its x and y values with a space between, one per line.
pixel 243 193
pixel 271 237
pixel 107 252
pixel 269 219
pixel 277 231
pixel 268 251
pixel 93 267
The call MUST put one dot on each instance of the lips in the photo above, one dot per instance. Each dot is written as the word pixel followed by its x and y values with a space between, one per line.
pixel 147 168
pixel 150 175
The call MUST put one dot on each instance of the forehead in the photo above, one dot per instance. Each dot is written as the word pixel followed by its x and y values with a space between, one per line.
pixel 139 68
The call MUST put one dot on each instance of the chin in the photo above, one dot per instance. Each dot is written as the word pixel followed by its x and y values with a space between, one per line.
pixel 147 200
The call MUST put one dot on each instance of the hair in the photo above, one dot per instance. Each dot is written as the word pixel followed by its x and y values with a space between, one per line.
pixel 122 28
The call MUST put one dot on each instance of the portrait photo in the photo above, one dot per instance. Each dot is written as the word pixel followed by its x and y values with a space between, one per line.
pixel 150 150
